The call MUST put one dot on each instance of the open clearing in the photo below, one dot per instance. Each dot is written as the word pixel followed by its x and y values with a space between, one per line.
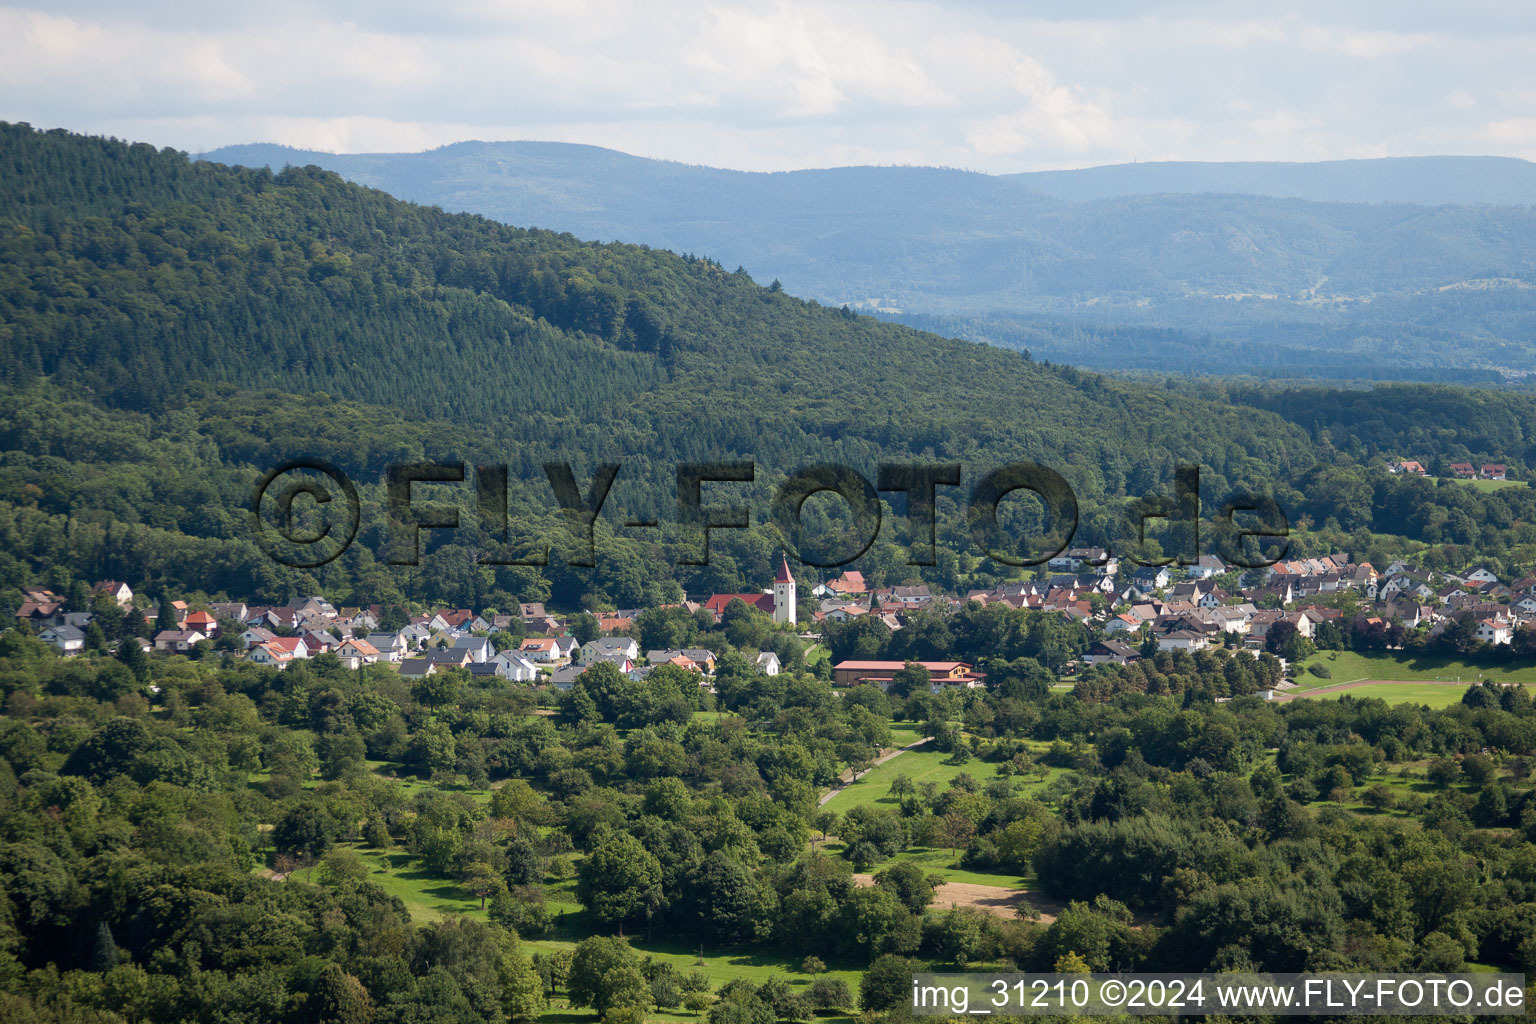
pixel 1394 691
pixel 1403 667
pixel 997 900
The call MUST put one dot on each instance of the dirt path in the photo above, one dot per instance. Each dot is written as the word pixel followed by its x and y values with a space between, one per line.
pixel 997 900
pixel 846 779
pixel 1336 687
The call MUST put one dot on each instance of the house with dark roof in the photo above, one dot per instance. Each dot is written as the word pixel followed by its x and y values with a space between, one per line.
pixel 118 591
pixel 69 640
pixel 1111 652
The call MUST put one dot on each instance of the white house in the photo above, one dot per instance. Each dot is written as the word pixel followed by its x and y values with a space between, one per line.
pixel 479 648
pixel 1206 567
pixel 68 639
pixel 1182 640
pixel 518 668
pixel 1495 631
pixel 391 646
pixel 256 635
pixel 1074 559
pixel 1121 623
pixel 355 652
pixel 767 663
pixel 1110 651
pixel 179 640
pixel 605 647
pixel 269 654
pixel 117 591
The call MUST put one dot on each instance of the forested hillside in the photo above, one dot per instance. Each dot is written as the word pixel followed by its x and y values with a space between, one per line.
pixel 130 272
pixel 169 330
pixel 1367 288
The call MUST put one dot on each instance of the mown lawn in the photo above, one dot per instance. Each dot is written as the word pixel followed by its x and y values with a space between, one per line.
pixel 1430 694
pixel 1349 666
pixel 1483 485
pixel 920 765
pixel 427 897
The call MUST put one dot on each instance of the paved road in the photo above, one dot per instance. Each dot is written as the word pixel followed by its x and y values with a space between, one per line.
pixel 847 777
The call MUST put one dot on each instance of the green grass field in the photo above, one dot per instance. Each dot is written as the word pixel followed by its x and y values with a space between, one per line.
pixel 430 899
pixel 1349 666
pixel 1431 694
pixel 1483 485
pixel 427 897
pixel 920 765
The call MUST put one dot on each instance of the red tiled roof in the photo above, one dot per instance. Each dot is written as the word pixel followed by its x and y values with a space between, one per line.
pixel 717 602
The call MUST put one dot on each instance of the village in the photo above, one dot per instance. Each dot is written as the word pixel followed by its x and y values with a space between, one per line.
pixel 1128 612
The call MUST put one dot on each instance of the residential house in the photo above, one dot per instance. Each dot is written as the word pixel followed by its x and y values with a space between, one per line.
pixel 479 648
pixel 1495 631
pixel 117 591
pixel 41 613
pixel 767 662
pixel 1493 471
pixel 1073 559
pixel 354 653
pixel 69 640
pixel 415 635
pixel 449 657
pixel 391 646
pixel 1111 652
pixel 203 622
pixel 256 635
pixel 1121 623
pixel 541 649
pixel 1408 466
pixel 417 668
pixel 1182 640
pixel 1206 567
pixel 700 656
pixel 1416 587
pixel 516 667
pixel 269 654
pixel 294 645
pixel 229 611
pixel 609 646
pixel 179 640
pixel 848 584
pixel 1151 577
pixel 318 642
pixel 1463 470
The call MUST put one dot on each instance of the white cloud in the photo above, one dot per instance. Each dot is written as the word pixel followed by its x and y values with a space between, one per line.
pixel 786 83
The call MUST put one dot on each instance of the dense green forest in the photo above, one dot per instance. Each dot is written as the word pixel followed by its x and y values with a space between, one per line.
pixel 262 846
pixel 202 839
pixel 171 329
pixel 1411 276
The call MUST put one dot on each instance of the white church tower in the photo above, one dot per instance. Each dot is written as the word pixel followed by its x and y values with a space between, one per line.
pixel 784 593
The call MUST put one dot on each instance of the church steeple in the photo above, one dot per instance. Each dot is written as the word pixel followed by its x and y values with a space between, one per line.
pixel 784 593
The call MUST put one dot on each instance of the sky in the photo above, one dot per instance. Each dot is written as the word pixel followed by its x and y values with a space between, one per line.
pixel 988 85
